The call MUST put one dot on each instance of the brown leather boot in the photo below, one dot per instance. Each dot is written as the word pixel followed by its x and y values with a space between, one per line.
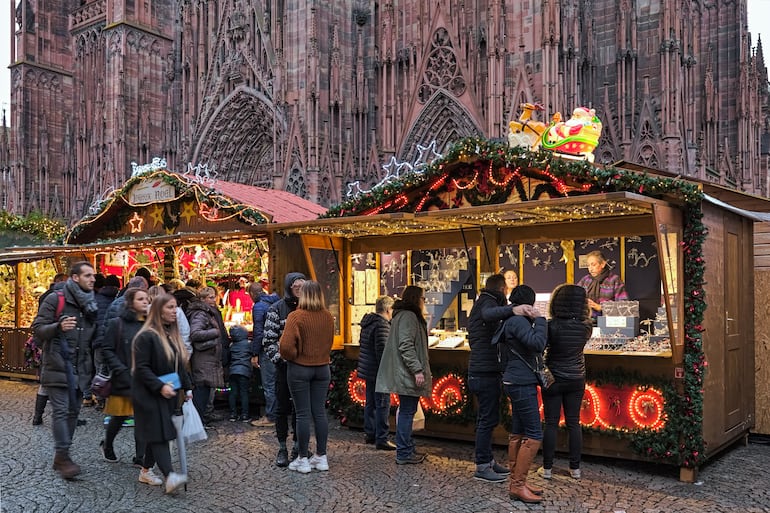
pixel 63 464
pixel 514 442
pixel 517 488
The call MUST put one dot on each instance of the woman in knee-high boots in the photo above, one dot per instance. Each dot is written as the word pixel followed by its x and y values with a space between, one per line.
pixel 526 337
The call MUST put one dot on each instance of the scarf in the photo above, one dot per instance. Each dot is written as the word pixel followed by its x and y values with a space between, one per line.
pixel 84 300
pixel 594 286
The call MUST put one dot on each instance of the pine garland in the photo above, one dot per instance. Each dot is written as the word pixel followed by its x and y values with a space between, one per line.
pixel 463 175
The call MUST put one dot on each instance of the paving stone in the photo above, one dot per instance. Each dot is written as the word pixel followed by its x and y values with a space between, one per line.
pixel 233 472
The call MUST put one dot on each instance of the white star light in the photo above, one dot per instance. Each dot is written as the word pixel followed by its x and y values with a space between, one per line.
pixel 427 155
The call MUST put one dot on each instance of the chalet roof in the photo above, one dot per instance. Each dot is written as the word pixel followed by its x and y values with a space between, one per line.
pixel 733 197
pixel 280 206
pixel 252 206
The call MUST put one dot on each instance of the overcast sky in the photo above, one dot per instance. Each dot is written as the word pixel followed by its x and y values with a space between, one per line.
pixel 758 10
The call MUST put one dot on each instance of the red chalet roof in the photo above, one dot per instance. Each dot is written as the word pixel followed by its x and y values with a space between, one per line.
pixel 281 206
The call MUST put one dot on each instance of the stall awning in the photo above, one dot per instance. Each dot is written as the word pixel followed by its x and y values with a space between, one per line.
pixel 14 255
pixel 528 213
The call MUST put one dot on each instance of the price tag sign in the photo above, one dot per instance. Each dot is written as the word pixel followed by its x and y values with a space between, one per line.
pixel 679 372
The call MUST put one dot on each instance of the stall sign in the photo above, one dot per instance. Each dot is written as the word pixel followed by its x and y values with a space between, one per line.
pixel 151 191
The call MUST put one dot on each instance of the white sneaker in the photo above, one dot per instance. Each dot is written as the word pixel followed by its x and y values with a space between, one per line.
pixel 301 465
pixel 319 462
pixel 147 476
pixel 575 473
pixel 545 472
pixel 174 481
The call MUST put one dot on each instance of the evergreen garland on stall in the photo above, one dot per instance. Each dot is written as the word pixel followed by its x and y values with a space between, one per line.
pixel 479 171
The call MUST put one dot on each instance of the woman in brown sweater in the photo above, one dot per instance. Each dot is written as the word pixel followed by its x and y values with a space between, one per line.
pixel 305 344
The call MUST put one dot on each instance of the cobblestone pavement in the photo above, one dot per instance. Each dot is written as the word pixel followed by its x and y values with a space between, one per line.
pixel 233 472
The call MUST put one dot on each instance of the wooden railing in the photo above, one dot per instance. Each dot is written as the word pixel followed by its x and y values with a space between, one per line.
pixel 12 362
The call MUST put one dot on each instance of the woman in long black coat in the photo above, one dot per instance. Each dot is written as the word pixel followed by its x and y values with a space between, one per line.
pixel 116 350
pixel 210 341
pixel 159 350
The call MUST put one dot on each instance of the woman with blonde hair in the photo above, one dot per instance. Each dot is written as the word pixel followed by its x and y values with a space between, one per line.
pixel 305 344
pixel 158 351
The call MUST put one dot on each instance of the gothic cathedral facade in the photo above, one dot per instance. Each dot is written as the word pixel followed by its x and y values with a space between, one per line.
pixel 308 96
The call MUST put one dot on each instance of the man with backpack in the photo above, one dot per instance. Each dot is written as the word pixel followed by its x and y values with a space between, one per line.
pixel 66 358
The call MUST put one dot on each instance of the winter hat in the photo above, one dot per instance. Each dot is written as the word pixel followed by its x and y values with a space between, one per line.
pixel 522 295
pixel 238 333
pixel 569 302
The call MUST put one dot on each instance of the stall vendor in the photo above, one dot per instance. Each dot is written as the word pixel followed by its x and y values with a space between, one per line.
pixel 601 285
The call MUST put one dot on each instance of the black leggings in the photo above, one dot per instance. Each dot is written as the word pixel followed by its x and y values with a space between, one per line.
pixel 112 430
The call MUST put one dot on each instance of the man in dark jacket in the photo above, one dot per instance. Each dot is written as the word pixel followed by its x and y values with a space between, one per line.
pixel 375 328
pixel 275 321
pixel 104 295
pixel 485 371
pixel 66 360
pixel 262 303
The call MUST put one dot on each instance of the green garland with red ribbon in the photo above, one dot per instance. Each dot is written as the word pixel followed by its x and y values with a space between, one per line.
pixel 460 175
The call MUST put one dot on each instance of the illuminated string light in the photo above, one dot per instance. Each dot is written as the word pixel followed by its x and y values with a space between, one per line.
pixel 646 409
pixel 448 394
pixel 469 185
pixel 357 389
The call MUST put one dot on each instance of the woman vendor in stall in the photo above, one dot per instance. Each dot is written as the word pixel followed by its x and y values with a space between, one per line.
pixel 600 283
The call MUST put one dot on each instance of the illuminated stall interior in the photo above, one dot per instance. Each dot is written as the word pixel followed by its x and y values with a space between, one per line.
pixel 482 208
pixel 179 225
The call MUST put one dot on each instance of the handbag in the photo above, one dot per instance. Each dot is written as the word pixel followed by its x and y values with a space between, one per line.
pixel 543 374
pixel 418 421
pixel 192 427
pixel 101 386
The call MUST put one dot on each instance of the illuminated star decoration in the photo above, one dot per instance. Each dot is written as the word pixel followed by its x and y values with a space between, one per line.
pixel 427 155
pixel 394 169
pixel 202 173
pixel 136 223
pixel 96 206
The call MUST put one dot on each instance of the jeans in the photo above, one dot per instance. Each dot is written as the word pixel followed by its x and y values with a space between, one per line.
pixel 267 375
pixel 284 407
pixel 376 414
pixel 239 390
pixel 525 412
pixel 201 395
pixel 569 395
pixel 64 416
pixel 487 390
pixel 404 441
pixel 309 386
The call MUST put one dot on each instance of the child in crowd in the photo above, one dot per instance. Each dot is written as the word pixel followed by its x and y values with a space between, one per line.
pixel 240 373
